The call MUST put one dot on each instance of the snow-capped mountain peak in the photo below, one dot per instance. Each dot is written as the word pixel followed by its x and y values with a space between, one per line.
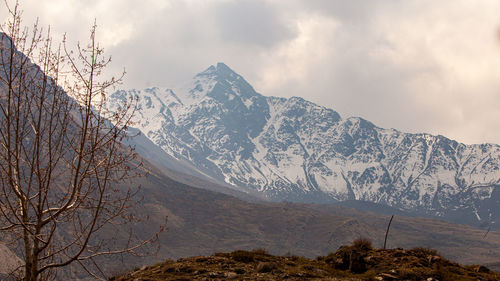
pixel 292 149
pixel 220 71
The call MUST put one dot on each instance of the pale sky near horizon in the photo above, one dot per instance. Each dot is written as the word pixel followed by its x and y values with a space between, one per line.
pixel 413 65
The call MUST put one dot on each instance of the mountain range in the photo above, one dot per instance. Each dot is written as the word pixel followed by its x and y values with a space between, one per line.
pixel 217 127
pixel 203 221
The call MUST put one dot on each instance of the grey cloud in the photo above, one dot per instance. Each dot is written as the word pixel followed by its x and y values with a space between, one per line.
pixel 352 11
pixel 429 77
pixel 251 22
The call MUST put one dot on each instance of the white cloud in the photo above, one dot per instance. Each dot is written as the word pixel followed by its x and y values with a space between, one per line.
pixel 294 61
pixel 416 65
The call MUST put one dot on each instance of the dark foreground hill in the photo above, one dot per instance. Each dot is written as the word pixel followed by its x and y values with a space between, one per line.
pixel 356 262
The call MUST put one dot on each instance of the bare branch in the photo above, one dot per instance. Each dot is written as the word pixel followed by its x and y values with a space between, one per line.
pixel 61 155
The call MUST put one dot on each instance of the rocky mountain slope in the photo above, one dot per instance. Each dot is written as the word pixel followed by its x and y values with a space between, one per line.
pixel 295 150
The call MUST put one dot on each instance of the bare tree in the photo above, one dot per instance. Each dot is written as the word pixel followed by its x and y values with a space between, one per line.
pixel 61 155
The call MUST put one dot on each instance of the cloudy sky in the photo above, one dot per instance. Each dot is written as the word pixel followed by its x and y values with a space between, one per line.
pixel 414 65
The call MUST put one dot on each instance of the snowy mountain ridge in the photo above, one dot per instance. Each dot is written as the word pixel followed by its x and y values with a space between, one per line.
pixel 292 149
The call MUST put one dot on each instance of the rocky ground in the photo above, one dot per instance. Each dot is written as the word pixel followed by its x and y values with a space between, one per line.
pixel 358 261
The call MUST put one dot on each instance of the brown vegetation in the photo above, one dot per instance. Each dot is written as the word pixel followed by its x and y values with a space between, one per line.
pixel 358 261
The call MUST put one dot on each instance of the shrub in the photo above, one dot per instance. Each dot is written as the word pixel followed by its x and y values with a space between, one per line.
pixel 260 251
pixel 362 244
pixel 243 256
pixel 423 252
pixel 225 255
pixel 351 257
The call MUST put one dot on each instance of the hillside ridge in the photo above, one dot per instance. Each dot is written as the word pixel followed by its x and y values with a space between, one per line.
pixel 358 261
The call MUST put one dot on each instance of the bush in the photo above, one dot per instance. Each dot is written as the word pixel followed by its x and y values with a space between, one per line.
pixel 351 257
pixel 243 256
pixel 422 252
pixel 260 251
pixel 362 244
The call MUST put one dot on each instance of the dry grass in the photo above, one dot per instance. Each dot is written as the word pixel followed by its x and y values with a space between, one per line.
pixel 358 261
